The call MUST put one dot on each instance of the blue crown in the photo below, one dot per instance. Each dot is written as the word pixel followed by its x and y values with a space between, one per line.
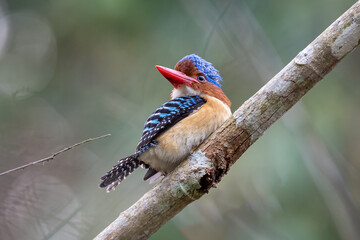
pixel 206 68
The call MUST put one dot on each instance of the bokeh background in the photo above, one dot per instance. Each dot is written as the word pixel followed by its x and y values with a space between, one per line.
pixel 70 70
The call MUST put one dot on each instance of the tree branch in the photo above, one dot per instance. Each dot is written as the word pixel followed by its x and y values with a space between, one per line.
pixel 43 160
pixel 206 166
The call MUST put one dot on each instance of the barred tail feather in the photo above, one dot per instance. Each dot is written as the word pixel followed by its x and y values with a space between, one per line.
pixel 120 171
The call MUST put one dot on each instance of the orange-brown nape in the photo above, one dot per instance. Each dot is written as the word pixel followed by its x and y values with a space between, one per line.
pixel 204 87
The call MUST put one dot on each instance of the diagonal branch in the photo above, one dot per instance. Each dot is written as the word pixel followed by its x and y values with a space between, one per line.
pixel 206 166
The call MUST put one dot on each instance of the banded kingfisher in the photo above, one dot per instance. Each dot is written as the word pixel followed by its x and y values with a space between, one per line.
pixel 197 108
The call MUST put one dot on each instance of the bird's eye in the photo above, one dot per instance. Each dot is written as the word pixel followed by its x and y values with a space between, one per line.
pixel 201 78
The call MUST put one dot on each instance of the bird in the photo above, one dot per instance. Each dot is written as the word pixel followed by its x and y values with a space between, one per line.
pixel 197 107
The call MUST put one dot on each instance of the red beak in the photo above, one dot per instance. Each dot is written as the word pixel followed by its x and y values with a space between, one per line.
pixel 176 78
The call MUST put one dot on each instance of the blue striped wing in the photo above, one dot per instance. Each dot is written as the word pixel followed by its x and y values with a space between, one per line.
pixel 167 116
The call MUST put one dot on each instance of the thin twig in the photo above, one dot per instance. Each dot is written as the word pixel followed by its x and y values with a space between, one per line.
pixel 54 154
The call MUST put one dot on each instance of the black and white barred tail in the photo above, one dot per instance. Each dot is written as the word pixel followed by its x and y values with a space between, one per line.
pixel 120 171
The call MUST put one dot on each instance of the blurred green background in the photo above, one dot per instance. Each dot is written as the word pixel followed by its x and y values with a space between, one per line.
pixel 70 70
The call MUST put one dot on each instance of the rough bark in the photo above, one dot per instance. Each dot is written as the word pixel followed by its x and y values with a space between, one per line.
pixel 206 166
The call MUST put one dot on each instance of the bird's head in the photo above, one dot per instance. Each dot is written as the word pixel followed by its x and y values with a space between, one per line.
pixel 193 76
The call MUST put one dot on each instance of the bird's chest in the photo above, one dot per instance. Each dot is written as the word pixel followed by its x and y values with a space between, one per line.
pixel 174 145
